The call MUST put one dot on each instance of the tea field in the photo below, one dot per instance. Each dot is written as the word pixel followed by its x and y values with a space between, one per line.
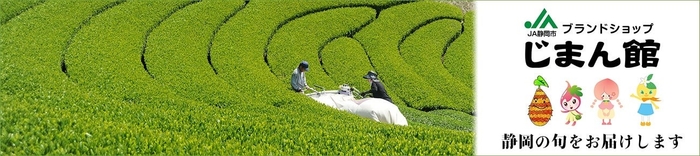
pixel 211 76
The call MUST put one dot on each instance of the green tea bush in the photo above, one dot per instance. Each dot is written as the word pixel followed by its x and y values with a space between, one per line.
pixel 12 8
pixel 31 70
pixel 435 119
pixel 345 61
pixel 176 53
pixel 459 57
pixel 381 39
pixel 302 38
pixel 106 60
pixel 423 51
pixel 463 118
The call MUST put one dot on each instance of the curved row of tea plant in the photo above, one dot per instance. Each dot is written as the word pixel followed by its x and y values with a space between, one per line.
pixel 176 53
pixel 423 50
pixel 85 22
pixel 108 61
pixel 345 61
pixel 459 56
pixel 10 9
pixel 467 119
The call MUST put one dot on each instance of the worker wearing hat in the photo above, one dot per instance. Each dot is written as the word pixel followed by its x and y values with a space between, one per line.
pixel 377 88
pixel 299 79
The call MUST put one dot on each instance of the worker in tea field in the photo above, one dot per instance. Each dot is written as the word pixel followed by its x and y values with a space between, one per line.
pixel 377 87
pixel 299 79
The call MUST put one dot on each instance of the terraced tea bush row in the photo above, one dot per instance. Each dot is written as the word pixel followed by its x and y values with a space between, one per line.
pixel 435 119
pixel 30 71
pixel 381 39
pixel 464 119
pixel 107 61
pixel 423 51
pixel 346 62
pixel 176 53
pixel 12 8
pixel 302 38
pixel 459 57
pixel 85 22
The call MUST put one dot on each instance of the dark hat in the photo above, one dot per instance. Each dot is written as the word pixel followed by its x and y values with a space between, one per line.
pixel 370 75
pixel 304 65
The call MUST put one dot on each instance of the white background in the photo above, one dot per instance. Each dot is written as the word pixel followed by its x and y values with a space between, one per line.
pixel 505 84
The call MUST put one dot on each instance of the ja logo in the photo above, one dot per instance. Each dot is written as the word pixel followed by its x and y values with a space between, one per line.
pixel 547 21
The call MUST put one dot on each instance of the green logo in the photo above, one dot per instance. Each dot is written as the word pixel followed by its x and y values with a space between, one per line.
pixel 547 20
